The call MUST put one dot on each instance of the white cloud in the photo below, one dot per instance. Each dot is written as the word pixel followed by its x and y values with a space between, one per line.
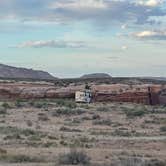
pixel 52 43
pixel 148 34
pixel 145 34
pixel 124 26
pixel 77 4
pixel 150 3
pixel 124 47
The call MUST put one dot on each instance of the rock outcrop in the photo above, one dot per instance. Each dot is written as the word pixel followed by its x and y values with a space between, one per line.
pixel 146 94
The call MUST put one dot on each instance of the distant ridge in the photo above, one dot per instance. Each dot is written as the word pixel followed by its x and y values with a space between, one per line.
pixel 96 75
pixel 18 72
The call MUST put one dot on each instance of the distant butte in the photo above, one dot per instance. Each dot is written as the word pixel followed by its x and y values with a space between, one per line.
pixel 96 75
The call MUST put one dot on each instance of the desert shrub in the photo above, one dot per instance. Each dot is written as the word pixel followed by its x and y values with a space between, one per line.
pixel 96 116
pixel 106 122
pixel 66 129
pixel 74 157
pixel 19 159
pixel 163 129
pixel 66 103
pixel 3 151
pixel 85 106
pixel 18 103
pixel 3 110
pixel 27 132
pixel 49 144
pixel 103 109
pixel 155 162
pixel 135 112
pixel 15 130
pixel 6 105
pixel 86 118
pixel 35 138
pixel 134 161
pixel 62 142
pixel 128 162
pixel 67 111
pixel 39 104
pixel 84 142
pixel 42 117
pixel 76 120
pixel 12 136
pixel 29 123
pixel 121 133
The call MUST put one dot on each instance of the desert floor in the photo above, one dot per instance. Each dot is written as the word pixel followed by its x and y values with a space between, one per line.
pixel 42 132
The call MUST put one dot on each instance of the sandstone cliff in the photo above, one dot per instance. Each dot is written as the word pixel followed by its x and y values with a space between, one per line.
pixel 112 92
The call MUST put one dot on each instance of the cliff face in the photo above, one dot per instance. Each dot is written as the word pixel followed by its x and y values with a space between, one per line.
pixel 14 72
pixel 104 93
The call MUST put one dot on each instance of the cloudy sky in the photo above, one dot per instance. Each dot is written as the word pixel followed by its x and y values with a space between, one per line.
pixel 69 38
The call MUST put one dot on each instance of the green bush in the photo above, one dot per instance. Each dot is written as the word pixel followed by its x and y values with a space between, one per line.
pixel 74 157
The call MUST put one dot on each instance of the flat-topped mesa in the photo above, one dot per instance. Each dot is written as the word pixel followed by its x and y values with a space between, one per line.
pixel 96 75
pixel 146 94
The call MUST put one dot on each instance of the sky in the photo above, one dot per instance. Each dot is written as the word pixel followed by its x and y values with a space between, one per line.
pixel 69 38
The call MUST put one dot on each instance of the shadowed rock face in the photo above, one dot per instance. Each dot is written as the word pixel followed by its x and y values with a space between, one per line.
pixel 112 92
pixel 14 72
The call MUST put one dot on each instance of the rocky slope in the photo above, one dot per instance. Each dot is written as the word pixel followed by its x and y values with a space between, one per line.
pixel 15 72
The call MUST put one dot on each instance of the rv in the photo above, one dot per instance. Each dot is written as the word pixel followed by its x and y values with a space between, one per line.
pixel 83 96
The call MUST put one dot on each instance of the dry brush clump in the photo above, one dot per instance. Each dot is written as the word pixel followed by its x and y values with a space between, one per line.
pixel 134 161
pixel 8 158
pixel 68 111
pixel 74 157
pixel 66 103
pixel 106 122
pixel 135 112
pixel 103 109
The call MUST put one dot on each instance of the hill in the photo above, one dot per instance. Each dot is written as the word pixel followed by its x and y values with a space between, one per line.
pixel 96 75
pixel 16 72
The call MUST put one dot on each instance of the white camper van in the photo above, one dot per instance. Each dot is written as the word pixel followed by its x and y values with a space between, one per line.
pixel 83 96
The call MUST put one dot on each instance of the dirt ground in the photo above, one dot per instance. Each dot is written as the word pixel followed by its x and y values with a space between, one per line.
pixel 36 133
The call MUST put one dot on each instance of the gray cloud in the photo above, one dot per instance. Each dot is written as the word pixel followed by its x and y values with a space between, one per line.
pixel 100 11
pixel 52 43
